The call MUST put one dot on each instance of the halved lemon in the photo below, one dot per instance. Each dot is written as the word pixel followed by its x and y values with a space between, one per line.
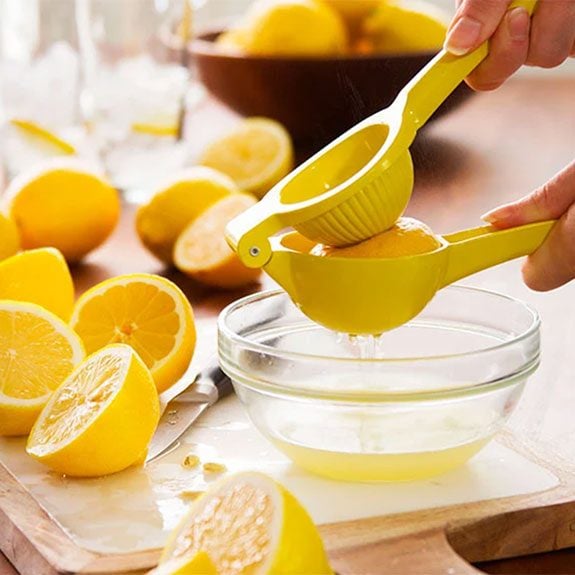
pixel 145 311
pixel 101 419
pixel 249 524
pixel 9 238
pixel 407 237
pixel 202 252
pixel 37 352
pixel 177 203
pixel 257 154
pixel 39 276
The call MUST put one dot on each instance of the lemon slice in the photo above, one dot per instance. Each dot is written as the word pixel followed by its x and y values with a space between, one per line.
pixel 63 204
pixel 9 238
pixel 145 311
pixel 101 419
pixel 158 130
pixel 177 203
pixel 248 523
pixel 202 252
pixel 256 155
pixel 199 564
pixel 37 352
pixel 39 276
pixel 43 137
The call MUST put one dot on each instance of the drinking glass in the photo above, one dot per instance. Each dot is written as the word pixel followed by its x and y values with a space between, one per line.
pixel 136 80
pixel 39 82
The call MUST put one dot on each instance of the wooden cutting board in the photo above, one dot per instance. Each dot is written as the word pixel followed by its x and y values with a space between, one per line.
pixel 507 501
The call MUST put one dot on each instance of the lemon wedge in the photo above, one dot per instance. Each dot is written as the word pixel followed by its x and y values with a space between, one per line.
pixel 257 154
pixel 249 524
pixel 37 352
pixel 101 419
pixel 145 311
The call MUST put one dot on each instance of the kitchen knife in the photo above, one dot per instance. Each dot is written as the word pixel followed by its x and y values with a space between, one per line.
pixel 181 411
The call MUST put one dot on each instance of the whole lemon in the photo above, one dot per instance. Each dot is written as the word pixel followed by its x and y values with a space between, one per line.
pixel 403 27
pixel 65 205
pixel 178 202
pixel 293 27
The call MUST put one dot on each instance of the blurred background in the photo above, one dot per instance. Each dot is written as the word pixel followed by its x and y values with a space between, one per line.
pixel 119 83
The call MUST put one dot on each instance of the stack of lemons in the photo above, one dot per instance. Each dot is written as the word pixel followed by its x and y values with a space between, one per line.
pixel 336 27
pixel 184 222
pixel 81 378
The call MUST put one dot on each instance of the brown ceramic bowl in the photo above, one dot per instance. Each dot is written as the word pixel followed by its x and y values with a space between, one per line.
pixel 315 98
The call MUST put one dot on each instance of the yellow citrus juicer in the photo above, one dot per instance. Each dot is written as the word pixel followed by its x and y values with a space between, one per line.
pixel 354 189
pixel 357 186
pixel 373 295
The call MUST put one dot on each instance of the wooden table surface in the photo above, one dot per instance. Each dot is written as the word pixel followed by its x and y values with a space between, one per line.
pixel 495 148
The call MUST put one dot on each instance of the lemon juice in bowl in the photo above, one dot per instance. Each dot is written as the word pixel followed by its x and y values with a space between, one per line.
pixel 419 402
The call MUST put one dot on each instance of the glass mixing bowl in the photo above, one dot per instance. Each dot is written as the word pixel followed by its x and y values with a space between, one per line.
pixel 416 402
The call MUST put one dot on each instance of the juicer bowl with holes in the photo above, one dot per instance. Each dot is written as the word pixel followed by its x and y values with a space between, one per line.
pixel 419 401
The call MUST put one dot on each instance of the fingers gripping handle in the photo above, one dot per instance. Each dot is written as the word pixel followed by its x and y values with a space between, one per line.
pixel 431 86
pixel 474 250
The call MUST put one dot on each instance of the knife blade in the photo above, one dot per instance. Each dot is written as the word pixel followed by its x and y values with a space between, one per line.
pixel 210 385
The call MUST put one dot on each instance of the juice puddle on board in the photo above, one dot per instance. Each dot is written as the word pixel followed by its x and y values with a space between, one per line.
pixel 379 466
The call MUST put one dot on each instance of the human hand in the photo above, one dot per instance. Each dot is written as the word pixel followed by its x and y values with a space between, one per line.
pixel 546 39
pixel 553 264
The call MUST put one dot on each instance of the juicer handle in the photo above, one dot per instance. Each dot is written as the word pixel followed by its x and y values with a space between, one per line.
pixel 433 84
pixel 477 249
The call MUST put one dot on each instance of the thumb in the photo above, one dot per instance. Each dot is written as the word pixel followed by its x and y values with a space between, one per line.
pixel 548 202
pixel 474 22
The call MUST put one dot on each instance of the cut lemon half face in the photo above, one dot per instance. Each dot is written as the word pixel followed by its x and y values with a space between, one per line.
pixel 101 419
pixel 201 250
pixel 145 311
pixel 257 154
pixel 249 524
pixel 37 352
